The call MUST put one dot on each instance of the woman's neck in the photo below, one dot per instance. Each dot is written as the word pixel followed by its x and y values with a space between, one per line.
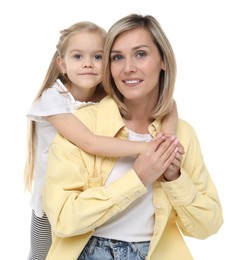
pixel 138 121
pixel 140 116
pixel 137 126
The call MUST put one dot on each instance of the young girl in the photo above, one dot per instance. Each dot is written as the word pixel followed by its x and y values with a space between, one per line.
pixel 73 80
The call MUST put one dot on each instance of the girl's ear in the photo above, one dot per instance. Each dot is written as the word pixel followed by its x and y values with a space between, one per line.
pixel 61 64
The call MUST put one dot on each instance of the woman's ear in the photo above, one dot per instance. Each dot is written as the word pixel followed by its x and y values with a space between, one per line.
pixel 163 66
pixel 61 64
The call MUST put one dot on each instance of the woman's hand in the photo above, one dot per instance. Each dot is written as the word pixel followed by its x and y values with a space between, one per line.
pixel 157 158
pixel 173 171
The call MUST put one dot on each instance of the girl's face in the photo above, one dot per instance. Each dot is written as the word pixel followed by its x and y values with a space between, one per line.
pixel 136 65
pixel 83 61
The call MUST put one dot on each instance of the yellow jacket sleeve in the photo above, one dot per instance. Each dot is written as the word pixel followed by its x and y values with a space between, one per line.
pixel 193 195
pixel 74 199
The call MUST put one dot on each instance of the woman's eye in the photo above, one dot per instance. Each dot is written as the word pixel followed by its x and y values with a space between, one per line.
pixel 116 57
pixel 141 54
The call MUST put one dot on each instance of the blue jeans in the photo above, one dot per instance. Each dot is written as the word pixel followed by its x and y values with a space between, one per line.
pixel 99 248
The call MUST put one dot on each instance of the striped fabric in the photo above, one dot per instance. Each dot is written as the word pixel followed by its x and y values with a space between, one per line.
pixel 40 237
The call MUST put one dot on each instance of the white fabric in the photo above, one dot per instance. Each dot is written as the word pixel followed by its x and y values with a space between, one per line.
pixel 136 222
pixel 54 100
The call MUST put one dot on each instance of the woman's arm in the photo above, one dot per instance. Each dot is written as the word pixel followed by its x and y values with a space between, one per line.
pixel 76 132
pixel 75 182
pixel 193 195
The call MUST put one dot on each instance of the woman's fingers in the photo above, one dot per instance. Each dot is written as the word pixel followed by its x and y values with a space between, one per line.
pixel 158 156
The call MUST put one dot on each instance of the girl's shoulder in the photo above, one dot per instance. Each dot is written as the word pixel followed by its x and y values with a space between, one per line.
pixel 51 102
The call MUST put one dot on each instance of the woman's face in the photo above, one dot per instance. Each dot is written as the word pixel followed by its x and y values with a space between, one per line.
pixel 136 65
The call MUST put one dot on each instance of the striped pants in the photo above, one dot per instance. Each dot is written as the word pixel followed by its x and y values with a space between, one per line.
pixel 40 237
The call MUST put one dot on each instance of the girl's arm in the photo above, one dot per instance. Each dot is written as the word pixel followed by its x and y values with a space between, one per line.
pixel 69 126
pixel 170 121
pixel 76 132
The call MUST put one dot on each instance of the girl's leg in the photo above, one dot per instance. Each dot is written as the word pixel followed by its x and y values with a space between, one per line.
pixel 40 237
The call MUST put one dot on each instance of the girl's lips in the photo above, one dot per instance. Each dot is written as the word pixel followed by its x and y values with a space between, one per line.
pixel 89 73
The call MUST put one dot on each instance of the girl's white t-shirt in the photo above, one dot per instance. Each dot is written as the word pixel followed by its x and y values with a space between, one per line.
pixel 55 100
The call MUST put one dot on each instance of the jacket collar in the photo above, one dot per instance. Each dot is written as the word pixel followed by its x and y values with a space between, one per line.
pixel 108 113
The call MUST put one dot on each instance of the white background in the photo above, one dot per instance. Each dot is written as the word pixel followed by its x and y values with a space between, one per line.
pixel 208 37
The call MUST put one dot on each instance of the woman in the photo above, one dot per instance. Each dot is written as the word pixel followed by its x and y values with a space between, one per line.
pixel 73 79
pixel 131 208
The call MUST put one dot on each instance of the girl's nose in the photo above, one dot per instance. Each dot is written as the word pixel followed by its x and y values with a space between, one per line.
pixel 87 63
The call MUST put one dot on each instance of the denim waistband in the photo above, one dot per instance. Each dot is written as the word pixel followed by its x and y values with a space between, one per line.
pixel 102 241
pixel 114 249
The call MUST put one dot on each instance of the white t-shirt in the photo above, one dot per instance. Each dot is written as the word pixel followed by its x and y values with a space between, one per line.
pixel 55 100
pixel 136 222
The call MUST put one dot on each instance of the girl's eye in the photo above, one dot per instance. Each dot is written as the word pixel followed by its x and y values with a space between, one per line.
pixel 77 56
pixel 141 54
pixel 116 57
pixel 98 57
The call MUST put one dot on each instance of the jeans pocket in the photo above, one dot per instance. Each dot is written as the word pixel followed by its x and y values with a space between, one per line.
pixel 142 249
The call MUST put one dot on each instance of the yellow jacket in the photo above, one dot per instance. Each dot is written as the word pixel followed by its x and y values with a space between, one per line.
pixel 76 202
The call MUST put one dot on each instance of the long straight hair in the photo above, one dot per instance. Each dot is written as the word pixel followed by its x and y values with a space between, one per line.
pixel 166 79
pixel 54 73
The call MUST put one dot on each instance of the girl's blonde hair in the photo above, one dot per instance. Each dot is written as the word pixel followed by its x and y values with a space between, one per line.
pixel 167 78
pixel 54 73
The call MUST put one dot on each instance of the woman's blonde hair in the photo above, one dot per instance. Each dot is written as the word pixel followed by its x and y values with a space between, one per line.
pixel 54 73
pixel 167 78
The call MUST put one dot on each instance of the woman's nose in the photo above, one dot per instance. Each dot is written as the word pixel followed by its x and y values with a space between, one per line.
pixel 129 65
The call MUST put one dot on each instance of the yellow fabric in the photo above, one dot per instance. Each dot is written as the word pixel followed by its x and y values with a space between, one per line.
pixel 76 202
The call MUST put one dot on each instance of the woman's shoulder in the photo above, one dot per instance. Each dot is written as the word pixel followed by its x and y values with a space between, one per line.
pixel 99 113
pixel 185 125
pixel 106 106
pixel 187 135
pixel 185 130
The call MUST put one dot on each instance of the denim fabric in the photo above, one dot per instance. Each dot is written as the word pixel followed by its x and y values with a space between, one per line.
pixel 99 248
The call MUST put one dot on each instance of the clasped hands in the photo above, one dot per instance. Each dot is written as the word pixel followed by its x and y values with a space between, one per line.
pixel 160 160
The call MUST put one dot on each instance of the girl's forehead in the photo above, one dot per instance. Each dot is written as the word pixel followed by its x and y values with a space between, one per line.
pixel 86 39
pixel 86 36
